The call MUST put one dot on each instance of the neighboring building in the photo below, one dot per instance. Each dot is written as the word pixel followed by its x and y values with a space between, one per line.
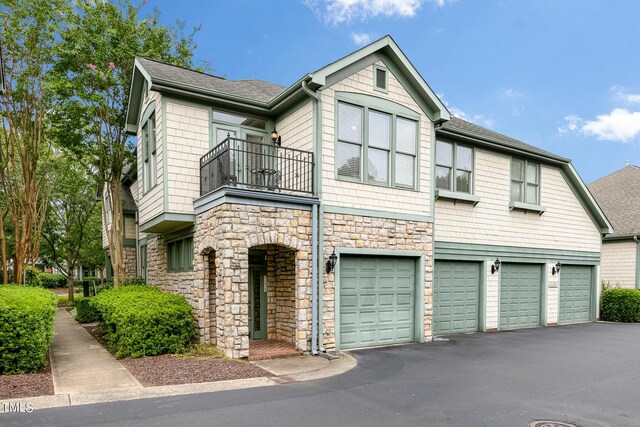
pixel 619 196
pixel 243 221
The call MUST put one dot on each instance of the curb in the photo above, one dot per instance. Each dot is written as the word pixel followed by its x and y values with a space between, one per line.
pixel 29 404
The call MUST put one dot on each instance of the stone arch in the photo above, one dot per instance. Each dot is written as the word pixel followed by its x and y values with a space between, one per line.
pixel 274 238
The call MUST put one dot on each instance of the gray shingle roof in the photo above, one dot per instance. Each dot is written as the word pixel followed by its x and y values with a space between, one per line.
pixel 618 194
pixel 128 202
pixel 255 90
pixel 467 128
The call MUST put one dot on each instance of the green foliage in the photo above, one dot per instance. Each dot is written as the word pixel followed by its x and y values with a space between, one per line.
pixel 26 328
pixel 50 281
pixel 32 276
pixel 141 320
pixel 621 305
pixel 134 281
pixel 85 311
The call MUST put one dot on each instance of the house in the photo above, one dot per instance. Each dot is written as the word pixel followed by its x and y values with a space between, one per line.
pixel 317 213
pixel 619 196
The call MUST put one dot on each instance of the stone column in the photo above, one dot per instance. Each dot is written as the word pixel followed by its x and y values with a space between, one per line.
pixel 233 300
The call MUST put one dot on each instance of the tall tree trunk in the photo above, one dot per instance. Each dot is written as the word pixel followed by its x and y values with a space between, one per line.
pixel 114 234
pixel 70 283
pixel 3 249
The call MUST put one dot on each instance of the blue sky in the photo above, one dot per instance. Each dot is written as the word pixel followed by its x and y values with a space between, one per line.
pixel 561 75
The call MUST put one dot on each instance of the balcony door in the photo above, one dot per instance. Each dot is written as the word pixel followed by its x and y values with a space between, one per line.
pixel 249 159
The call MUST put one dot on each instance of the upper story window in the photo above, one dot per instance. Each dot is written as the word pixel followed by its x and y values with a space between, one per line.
pixel 454 167
pixel 235 119
pixel 380 78
pixel 376 146
pixel 525 182
pixel 149 157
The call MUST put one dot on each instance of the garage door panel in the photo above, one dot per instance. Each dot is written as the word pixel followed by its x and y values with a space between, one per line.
pixel 384 293
pixel 456 296
pixel 520 295
pixel 575 287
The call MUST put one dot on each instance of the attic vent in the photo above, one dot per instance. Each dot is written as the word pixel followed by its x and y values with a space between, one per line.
pixel 380 78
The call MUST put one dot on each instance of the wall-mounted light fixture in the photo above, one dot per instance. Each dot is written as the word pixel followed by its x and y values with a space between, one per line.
pixel 556 268
pixel 277 139
pixel 495 266
pixel 331 262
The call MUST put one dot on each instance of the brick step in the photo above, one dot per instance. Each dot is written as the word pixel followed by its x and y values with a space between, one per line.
pixel 271 349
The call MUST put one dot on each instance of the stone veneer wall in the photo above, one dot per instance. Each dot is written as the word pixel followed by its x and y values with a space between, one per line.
pixel 230 230
pixel 130 262
pixel 355 231
pixel 281 294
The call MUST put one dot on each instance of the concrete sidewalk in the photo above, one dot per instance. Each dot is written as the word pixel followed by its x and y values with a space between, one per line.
pixel 79 364
pixel 85 373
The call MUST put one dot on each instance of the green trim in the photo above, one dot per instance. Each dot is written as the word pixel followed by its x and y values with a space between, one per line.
pixel 129 242
pixel 378 104
pixel 594 289
pixel 475 252
pixel 527 207
pixel 180 234
pixel 457 196
pixel 254 198
pixel 151 109
pixel 377 214
pixel 454 167
pixel 377 67
pixel 637 264
pixel 482 304
pixel 618 239
pixel 167 217
pixel 543 296
pixel 586 199
pixel 419 311
pixel 524 183
pixel 165 157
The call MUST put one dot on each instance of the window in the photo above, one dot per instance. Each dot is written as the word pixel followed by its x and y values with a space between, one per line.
pixel 180 255
pixel 380 77
pixel 149 154
pixel 384 144
pixel 454 167
pixel 525 182
pixel 235 119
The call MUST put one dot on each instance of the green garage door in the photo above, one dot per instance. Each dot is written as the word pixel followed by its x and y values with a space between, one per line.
pixel 456 297
pixel 575 294
pixel 520 290
pixel 377 300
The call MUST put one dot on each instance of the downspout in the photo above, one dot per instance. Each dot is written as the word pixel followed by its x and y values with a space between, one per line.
pixel 317 343
pixel 635 239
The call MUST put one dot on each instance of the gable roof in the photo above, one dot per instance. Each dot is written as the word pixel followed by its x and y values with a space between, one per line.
pixel 463 130
pixel 618 194
pixel 269 98
pixel 460 127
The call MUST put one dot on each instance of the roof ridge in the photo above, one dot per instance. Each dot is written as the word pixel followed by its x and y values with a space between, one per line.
pixel 615 172
pixel 182 68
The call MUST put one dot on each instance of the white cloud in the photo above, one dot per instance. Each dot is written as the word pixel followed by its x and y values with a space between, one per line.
pixel 340 11
pixel 511 93
pixel 619 125
pixel 441 3
pixel 479 119
pixel 629 98
pixel 361 39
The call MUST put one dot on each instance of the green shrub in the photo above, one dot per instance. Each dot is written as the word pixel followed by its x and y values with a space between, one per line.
pixel 26 328
pixel 621 305
pixel 85 311
pixel 31 276
pixel 134 281
pixel 141 320
pixel 50 281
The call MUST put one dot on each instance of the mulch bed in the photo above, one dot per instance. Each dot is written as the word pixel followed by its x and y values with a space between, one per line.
pixel 171 369
pixel 27 385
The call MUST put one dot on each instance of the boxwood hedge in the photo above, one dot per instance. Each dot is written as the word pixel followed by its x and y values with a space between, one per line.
pixel 49 280
pixel 621 305
pixel 142 320
pixel 26 327
pixel 85 311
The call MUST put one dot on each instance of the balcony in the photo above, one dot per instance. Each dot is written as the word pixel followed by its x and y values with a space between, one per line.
pixel 256 166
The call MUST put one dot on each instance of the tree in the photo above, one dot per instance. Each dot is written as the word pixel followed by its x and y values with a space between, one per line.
pixel 29 30
pixel 71 207
pixel 92 78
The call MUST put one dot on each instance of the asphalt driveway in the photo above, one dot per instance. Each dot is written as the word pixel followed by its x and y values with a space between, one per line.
pixel 585 374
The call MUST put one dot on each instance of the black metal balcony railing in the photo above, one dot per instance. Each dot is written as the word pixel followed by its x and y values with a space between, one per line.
pixel 256 165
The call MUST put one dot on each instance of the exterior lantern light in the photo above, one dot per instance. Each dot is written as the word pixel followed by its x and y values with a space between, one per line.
pixel 556 268
pixel 331 262
pixel 495 266
pixel 277 139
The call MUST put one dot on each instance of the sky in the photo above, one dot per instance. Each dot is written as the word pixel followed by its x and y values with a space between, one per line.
pixel 563 75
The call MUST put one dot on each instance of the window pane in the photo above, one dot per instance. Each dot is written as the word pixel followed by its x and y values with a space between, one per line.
pixel 443 178
pixel 349 123
pixel 532 194
pixel 381 79
pixel 463 181
pixel 348 160
pixel 516 170
pixel 444 155
pixel 405 170
pixel 378 167
pixel 406 136
pixel 221 135
pixel 532 173
pixel 516 191
pixel 238 120
pixel 464 158
pixel 379 125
